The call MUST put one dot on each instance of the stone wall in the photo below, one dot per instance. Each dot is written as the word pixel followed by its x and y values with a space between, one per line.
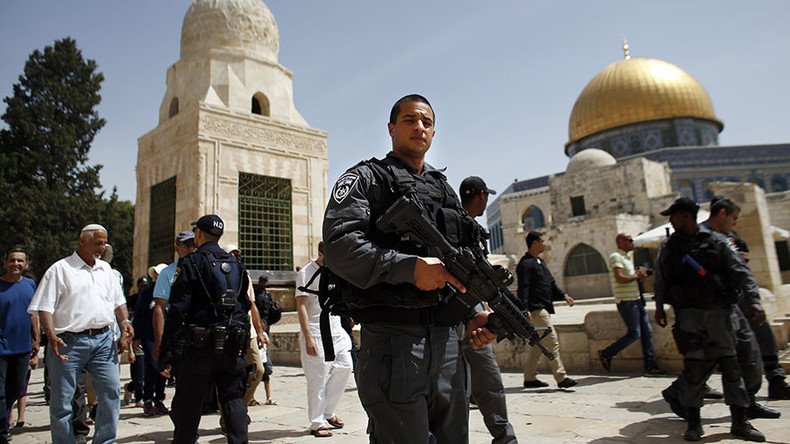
pixel 625 187
pixel 598 233
pixel 754 226
pixel 512 208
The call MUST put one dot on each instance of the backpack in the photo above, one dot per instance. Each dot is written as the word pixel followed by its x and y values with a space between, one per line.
pixel 275 311
pixel 270 310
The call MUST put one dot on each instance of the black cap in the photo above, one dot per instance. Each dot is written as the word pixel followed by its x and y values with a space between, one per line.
pixel 211 224
pixel 474 184
pixel 681 205
pixel 263 278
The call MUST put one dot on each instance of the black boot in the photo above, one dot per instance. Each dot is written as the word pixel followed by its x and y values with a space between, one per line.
pixel 741 426
pixel 694 429
pixel 671 397
pixel 755 411
pixel 778 388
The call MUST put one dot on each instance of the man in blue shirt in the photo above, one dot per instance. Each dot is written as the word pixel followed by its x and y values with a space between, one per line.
pixel 185 244
pixel 19 338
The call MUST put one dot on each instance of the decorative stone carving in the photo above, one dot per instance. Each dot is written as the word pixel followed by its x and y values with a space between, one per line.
pixel 269 136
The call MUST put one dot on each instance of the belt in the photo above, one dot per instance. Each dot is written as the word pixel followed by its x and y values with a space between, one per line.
pixel 414 316
pixel 93 331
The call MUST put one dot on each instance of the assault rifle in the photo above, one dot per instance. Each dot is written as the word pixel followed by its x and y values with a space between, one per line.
pixel 483 282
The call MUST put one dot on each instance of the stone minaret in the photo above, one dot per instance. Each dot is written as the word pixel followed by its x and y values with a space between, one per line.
pixel 231 142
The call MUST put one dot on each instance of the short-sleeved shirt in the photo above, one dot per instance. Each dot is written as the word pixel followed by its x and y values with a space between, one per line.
pixel 78 296
pixel 15 297
pixel 164 281
pixel 630 290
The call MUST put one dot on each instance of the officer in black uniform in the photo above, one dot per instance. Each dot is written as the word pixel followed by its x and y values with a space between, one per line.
pixel 486 388
pixel 723 215
pixel 410 375
pixel 703 278
pixel 207 333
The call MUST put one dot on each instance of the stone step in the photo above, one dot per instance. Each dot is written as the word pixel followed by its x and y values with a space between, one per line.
pixel 780 332
pixel 784 359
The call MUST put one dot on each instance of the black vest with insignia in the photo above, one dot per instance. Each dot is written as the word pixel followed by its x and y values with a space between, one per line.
pixel 440 205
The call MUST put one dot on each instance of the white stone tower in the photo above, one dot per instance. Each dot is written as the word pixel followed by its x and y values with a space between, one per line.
pixel 231 142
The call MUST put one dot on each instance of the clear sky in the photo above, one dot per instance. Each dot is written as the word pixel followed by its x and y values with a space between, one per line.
pixel 502 75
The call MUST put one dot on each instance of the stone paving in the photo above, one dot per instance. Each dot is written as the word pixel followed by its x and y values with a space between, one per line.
pixel 603 408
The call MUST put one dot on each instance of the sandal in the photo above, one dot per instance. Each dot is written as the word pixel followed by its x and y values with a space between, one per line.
pixel 335 422
pixel 271 401
pixel 254 402
pixel 321 432
pixel 20 424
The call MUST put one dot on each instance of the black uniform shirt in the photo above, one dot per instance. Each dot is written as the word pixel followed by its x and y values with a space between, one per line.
pixel 347 225
pixel 735 274
pixel 536 286
pixel 190 302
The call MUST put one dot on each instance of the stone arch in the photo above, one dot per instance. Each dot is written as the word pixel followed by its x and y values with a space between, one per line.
pixel 584 260
pixel 532 218
pixel 173 108
pixel 260 105
pixel 585 273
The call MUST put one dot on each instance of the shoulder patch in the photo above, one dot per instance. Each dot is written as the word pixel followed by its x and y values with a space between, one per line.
pixel 178 271
pixel 344 186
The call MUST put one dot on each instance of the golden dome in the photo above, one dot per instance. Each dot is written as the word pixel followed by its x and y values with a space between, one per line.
pixel 637 90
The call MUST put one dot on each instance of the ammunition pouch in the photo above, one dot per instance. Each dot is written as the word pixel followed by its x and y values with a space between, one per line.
pixel 221 340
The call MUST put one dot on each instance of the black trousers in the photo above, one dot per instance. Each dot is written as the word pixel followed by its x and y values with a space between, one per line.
pixel 196 373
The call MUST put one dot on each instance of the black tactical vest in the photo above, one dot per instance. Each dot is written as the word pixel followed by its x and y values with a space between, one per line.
pixel 688 286
pixel 440 206
pixel 223 302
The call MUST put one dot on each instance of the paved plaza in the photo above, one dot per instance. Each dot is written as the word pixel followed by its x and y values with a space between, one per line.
pixel 601 409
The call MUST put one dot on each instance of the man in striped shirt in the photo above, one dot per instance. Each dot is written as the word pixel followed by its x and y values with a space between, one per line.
pixel 630 305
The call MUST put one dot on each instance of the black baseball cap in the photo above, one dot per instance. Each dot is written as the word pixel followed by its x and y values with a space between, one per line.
pixel 474 184
pixel 211 224
pixel 263 278
pixel 681 205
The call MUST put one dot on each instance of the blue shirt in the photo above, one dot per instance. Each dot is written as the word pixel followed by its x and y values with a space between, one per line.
pixel 15 297
pixel 164 281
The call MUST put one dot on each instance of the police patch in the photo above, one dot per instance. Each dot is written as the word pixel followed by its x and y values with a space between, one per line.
pixel 178 271
pixel 344 186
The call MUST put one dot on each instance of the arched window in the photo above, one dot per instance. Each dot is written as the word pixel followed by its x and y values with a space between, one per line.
pixel 583 260
pixel 260 105
pixel 533 218
pixel 686 188
pixel 173 108
pixel 778 183
pixel 708 190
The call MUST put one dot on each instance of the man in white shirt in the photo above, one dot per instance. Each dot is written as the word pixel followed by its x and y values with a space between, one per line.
pixel 326 381
pixel 78 301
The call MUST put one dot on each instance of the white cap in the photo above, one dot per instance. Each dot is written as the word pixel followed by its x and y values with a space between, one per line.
pixel 229 248
pixel 154 270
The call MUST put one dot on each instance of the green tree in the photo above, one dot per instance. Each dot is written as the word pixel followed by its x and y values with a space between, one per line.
pixel 48 188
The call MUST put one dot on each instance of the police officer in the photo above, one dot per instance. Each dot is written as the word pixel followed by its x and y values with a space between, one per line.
pixel 703 278
pixel 207 333
pixel 723 215
pixel 411 379
pixel 486 388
